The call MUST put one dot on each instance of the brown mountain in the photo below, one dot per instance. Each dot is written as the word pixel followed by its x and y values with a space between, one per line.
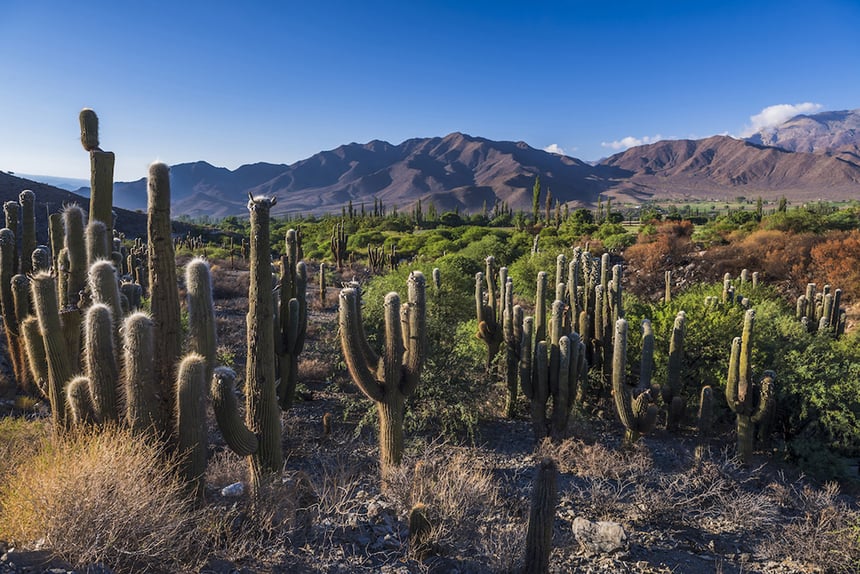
pixel 465 172
pixel 457 171
pixel 724 167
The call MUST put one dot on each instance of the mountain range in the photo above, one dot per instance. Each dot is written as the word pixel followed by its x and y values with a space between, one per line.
pixel 808 157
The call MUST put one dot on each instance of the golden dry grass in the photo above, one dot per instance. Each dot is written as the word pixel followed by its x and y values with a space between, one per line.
pixel 104 497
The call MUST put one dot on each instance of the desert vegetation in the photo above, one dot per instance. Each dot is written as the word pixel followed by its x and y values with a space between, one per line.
pixel 647 389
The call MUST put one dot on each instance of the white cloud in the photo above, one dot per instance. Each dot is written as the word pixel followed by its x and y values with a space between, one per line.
pixel 554 148
pixel 772 116
pixel 631 141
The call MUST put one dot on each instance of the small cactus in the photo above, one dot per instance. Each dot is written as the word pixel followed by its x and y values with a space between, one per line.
pixel 338 245
pixel 490 328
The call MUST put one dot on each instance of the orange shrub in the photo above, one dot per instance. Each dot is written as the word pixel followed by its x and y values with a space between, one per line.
pixel 836 261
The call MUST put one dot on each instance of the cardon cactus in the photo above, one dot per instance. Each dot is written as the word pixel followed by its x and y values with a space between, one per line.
pixel 490 328
pixel 551 368
pixel 143 408
pixel 7 300
pixel 75 248
pixel 60 365
pixel 201 313
pixel 633 403
pixel 389 379
pixel 100 363
pixel 27 199
pixel 750 402
pixel 101 171
pixel 190 420
pixel 541 518
pixel 292 320
pixel 513 330
pixel 338 245
pixel 674 387
pixel 164 300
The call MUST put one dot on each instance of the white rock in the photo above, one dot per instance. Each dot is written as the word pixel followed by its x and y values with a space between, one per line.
pixel 599 537
pixel 235 489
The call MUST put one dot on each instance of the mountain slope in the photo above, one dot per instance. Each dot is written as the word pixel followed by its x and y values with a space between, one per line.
pixel 825 132
pixel 457 171
pixel 722 166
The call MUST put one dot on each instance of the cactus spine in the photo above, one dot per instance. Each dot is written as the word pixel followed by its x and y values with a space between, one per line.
pixel 389 379
pixel 750 402
pixel 634 406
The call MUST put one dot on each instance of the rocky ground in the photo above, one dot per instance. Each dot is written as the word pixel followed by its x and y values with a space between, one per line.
pixel 675 503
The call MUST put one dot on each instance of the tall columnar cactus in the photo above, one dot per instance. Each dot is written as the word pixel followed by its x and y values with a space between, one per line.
pixel 553 368
pixel 101 171
pixel 541 518
pixel 338 244
pixel 75 246
pixel 12 212
pixel 190 419
pixel 292 319
pixel 164 300
pixel 706 411
pixel 104 288
pixel 96 240
pixel 143 407
pixel 513 332
pixel 540 307
pixel 633 403
pixel 100 363
pixel 60 365
pixel 574 282
pixel 35 352
pixel 490 328
pixel 749 401
pixel 389 379
pixel 673 390
pixel 262 415
pixel 7 300
pixel 56 232
pixel 667 296
pixel 27 199
pixel 201 313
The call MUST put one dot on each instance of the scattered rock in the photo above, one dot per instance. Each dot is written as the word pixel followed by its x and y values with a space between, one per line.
pixel 232 490
pixel 599 537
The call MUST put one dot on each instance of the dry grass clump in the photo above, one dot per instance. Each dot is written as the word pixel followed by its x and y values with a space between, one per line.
pixel 230 283
pixel 19 440
pixel 101 497
pixel 314 370
pixel 461 497
pixel 824 531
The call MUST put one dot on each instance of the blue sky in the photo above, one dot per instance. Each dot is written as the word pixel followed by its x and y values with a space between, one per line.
pixel 233 83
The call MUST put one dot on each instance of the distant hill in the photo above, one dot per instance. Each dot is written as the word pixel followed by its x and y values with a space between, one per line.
pixel 50 199
pixel 826 132
pixel 807 158
pixel 724 167
pixel 457 171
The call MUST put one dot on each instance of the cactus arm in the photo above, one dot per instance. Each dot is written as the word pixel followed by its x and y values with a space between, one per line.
pixel 767 397
pixel 73 223
pixel 79 401
pixel 237 436
pixel 416 345
pixel 392 359
pixel 732 378
pixel 540 393
pixel 351 334
pixel 201 313
pixel 35 349
pixel 540 307
pixel 27 199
